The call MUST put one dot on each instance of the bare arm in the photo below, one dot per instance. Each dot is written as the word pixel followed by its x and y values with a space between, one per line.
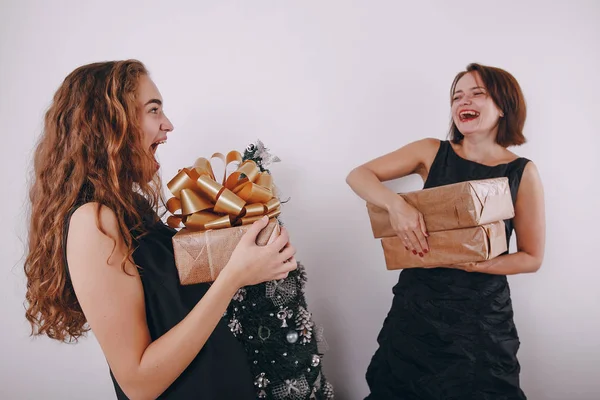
pixel 113 302
pixel 366 181
pixel 530 229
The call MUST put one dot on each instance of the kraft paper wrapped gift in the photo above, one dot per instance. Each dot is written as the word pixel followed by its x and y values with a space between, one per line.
pixel 454 206
pixel 450 247
pixel 215 213
pixel 201 256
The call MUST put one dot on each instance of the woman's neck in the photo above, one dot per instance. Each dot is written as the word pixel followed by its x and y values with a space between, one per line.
pixel 482 149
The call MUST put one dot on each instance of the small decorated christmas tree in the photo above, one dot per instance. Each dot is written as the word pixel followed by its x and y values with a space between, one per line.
pixel 272 321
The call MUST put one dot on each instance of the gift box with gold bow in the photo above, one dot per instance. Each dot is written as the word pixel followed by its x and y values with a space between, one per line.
pixel 213 213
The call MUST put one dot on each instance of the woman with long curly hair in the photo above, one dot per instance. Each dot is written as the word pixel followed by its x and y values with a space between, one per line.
pixel 100 258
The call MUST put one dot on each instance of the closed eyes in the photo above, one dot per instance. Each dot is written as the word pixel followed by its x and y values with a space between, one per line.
pixel 477 93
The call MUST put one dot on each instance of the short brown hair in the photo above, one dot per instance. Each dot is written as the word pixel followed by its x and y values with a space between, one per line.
pixel 506 93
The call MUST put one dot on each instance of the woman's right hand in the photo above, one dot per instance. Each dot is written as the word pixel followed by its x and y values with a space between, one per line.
pixel 409 225
pixel 251 264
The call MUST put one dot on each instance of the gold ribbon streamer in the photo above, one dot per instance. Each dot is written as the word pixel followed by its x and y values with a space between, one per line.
pixel 201 202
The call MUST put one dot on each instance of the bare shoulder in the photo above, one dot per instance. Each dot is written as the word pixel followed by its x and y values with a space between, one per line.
pixel 90 215
pixel 428 148
pixel 94 232
pixel 531 170
pixel 429 143
pixel 531 178
pixel 414 157
pixel 530 195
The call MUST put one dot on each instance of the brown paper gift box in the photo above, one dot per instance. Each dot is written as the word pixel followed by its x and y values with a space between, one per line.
pixel 201 256
pixel 450 247
pixel 214 211
pixel 454 206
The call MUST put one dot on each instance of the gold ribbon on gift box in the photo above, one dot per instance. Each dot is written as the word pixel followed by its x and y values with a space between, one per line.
pixel 241 198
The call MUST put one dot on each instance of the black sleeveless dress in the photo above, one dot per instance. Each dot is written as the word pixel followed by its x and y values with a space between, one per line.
pixel 449 333
pixel 221 370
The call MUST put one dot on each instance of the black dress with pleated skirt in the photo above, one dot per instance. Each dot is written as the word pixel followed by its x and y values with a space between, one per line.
pixel 220 370
pixel 449 334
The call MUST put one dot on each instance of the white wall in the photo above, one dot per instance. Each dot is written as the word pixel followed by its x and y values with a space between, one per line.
pixel 339 82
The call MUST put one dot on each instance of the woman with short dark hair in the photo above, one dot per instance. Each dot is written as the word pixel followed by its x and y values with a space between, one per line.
pixel 450 333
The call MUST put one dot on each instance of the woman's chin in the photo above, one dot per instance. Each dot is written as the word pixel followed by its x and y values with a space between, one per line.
pixel 467 130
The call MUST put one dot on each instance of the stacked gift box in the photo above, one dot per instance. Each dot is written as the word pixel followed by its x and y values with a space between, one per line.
pixel 465 223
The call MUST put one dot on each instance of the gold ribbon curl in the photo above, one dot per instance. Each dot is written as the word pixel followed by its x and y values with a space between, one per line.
pixel 204 203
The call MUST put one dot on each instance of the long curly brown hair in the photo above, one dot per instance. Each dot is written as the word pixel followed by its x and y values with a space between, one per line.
pixel 91 150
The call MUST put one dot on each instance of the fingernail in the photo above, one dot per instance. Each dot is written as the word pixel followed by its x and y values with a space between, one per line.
pixel 415 252
pixel 425 251
pixel 406 247
pixel 420 254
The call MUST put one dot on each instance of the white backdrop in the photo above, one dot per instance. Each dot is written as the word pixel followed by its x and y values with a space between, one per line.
pixel 327 86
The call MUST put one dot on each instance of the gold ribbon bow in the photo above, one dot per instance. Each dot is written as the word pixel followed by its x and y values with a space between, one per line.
pixel 241 198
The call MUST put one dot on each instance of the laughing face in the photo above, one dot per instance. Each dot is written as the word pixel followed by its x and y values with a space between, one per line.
pixel 153 120
pixel 473 109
